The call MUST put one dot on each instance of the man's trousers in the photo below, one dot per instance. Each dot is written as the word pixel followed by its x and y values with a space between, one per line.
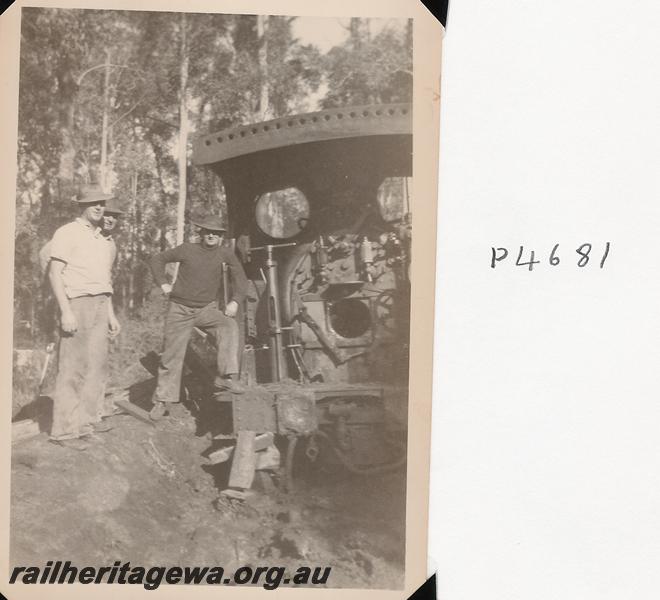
pixel 82 369
pixel 179 323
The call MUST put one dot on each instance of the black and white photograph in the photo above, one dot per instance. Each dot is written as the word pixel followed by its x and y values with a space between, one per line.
pixel 249 244
pixel 212 299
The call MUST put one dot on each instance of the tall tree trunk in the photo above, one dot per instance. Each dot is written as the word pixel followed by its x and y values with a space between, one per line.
pixel 103 170
pixel 164 196
pixel 356 29
pixel 67 96
pixel 45 200
pixel 183 131
pixel 262 37
pixel 133 242
pixel 139 273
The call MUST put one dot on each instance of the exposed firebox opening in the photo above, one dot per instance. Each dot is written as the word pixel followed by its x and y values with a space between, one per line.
pixel 349 318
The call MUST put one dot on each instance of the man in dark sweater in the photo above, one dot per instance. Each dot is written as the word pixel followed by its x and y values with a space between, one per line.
pixel 194 303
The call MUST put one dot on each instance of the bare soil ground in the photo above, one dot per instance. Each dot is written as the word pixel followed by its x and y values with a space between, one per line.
pixel 141 494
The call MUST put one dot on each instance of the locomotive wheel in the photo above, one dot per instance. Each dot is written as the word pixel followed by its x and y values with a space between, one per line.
pixel 394 462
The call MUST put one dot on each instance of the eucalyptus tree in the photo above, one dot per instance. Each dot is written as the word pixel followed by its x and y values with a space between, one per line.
pixel 370 68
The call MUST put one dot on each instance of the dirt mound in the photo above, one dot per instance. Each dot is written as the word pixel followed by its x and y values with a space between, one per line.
pixel 142 494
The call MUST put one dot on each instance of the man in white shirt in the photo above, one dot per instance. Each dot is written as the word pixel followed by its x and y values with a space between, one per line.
pixel 80 274
pixel 111 214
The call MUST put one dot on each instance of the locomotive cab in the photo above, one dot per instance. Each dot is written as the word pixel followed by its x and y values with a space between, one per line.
pixel 318 209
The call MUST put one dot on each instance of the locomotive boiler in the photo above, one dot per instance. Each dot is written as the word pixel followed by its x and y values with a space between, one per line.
pixel 318 212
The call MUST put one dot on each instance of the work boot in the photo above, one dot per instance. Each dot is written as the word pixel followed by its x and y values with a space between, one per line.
pixel 102 427
pixel 229 385
pixel 74 443
pixel 158 411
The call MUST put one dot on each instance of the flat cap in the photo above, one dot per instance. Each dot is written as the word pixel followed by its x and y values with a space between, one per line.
pixel 112 208
pixel 210 222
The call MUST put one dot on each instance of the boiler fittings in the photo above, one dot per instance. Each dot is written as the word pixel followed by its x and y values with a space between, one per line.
pixel 367 259
pixel 321 261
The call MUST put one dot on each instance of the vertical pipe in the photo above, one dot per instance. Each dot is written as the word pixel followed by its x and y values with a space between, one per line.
pixel 275 325
pixel 104 128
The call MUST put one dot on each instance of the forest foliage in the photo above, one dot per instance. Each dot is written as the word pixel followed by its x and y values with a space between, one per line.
pixel 117 97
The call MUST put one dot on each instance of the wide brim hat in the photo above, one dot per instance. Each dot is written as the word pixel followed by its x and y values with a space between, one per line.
pixel 91 194
pixel 211 222
pixel 112 208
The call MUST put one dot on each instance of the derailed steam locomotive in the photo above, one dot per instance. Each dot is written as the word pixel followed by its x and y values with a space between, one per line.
pixel 318 211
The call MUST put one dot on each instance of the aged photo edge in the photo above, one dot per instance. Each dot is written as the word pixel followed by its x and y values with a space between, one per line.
pixel 427 35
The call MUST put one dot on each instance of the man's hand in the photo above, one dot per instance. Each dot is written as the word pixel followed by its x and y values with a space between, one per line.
pixel 167 288
pixel 69 323
pixel 231 309
pixel 113 326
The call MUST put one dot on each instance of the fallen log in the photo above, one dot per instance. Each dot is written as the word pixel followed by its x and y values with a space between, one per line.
pixel 122 402
pixel 244 462
pixel 261 442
